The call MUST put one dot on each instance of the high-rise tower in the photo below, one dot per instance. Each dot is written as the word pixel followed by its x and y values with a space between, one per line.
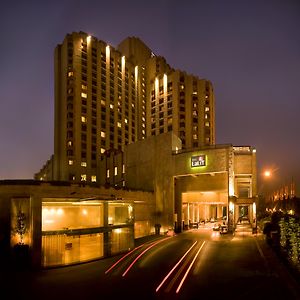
pixel 106 98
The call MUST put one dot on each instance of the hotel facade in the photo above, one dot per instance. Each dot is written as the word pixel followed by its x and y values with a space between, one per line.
pixel 134 147
pixel 106 98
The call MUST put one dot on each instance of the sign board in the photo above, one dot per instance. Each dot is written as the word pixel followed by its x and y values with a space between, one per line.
pixel 198 161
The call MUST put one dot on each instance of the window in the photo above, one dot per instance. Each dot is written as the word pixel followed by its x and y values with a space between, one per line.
pixel 102 134
pixel 206 108
pixel 84 95
pixel 107 173
pixel 83 119
pixel 207 124
pixel 83 164
pixel 116 171
pixel 83 177
pixel 71 162
pixel 70 74
pixel 94 178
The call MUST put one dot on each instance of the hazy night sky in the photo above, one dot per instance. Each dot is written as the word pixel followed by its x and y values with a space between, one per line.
pixel 249 50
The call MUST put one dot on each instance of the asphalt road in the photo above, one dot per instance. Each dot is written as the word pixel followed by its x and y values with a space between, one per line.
pixel 196 264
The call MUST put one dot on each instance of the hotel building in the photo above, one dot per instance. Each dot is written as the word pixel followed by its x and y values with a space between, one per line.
pixel 106 98
pixel 134 146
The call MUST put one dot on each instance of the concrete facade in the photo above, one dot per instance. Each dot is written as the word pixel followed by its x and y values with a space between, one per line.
pixel 34 199
pixel 227 181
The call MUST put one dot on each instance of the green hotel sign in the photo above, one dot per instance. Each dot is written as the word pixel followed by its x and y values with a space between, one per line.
pixel 198 161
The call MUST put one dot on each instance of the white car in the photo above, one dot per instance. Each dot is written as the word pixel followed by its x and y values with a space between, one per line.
pixel 223 229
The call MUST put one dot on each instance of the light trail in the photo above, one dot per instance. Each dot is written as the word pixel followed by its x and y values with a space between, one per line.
pixel 169 274
pixel 137 258
pixel 116 263
pixel 188 270
pixel 124 256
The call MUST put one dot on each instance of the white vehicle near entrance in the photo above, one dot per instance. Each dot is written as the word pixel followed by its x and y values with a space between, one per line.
pixel 223 229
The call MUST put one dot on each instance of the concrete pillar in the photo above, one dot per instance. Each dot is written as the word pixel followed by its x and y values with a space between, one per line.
pixel 107 232
pixel 5 220
pixel 36 231
pixel 193 212
pixel 178 205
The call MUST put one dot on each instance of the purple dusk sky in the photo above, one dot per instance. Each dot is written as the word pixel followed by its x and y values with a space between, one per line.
pixel 249 50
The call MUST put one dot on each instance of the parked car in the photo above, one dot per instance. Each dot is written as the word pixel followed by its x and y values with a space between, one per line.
pixel 194 225
pixel 223 229
pixel 216 227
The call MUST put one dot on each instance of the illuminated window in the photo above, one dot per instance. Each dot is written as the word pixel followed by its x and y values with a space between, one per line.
pixel 102 150
pixel 195 136
pixel 83 177
pixel 126 121
pixel 207 124
pixel 119 125
pixel 102 134
pixel 83 119
pixel 84 95
pixel 194 93
pixel 206 108
pixel 69 143
pixel 111 106
pixel 116 171
pixel 206 116
pixel 94 178
pixel 70 74
pixel 123 169
pixel 71 162
pixel 84 87
pixel 83 164
pixel 107 173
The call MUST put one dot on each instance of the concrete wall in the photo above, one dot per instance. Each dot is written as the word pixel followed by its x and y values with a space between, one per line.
pixel 31 194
